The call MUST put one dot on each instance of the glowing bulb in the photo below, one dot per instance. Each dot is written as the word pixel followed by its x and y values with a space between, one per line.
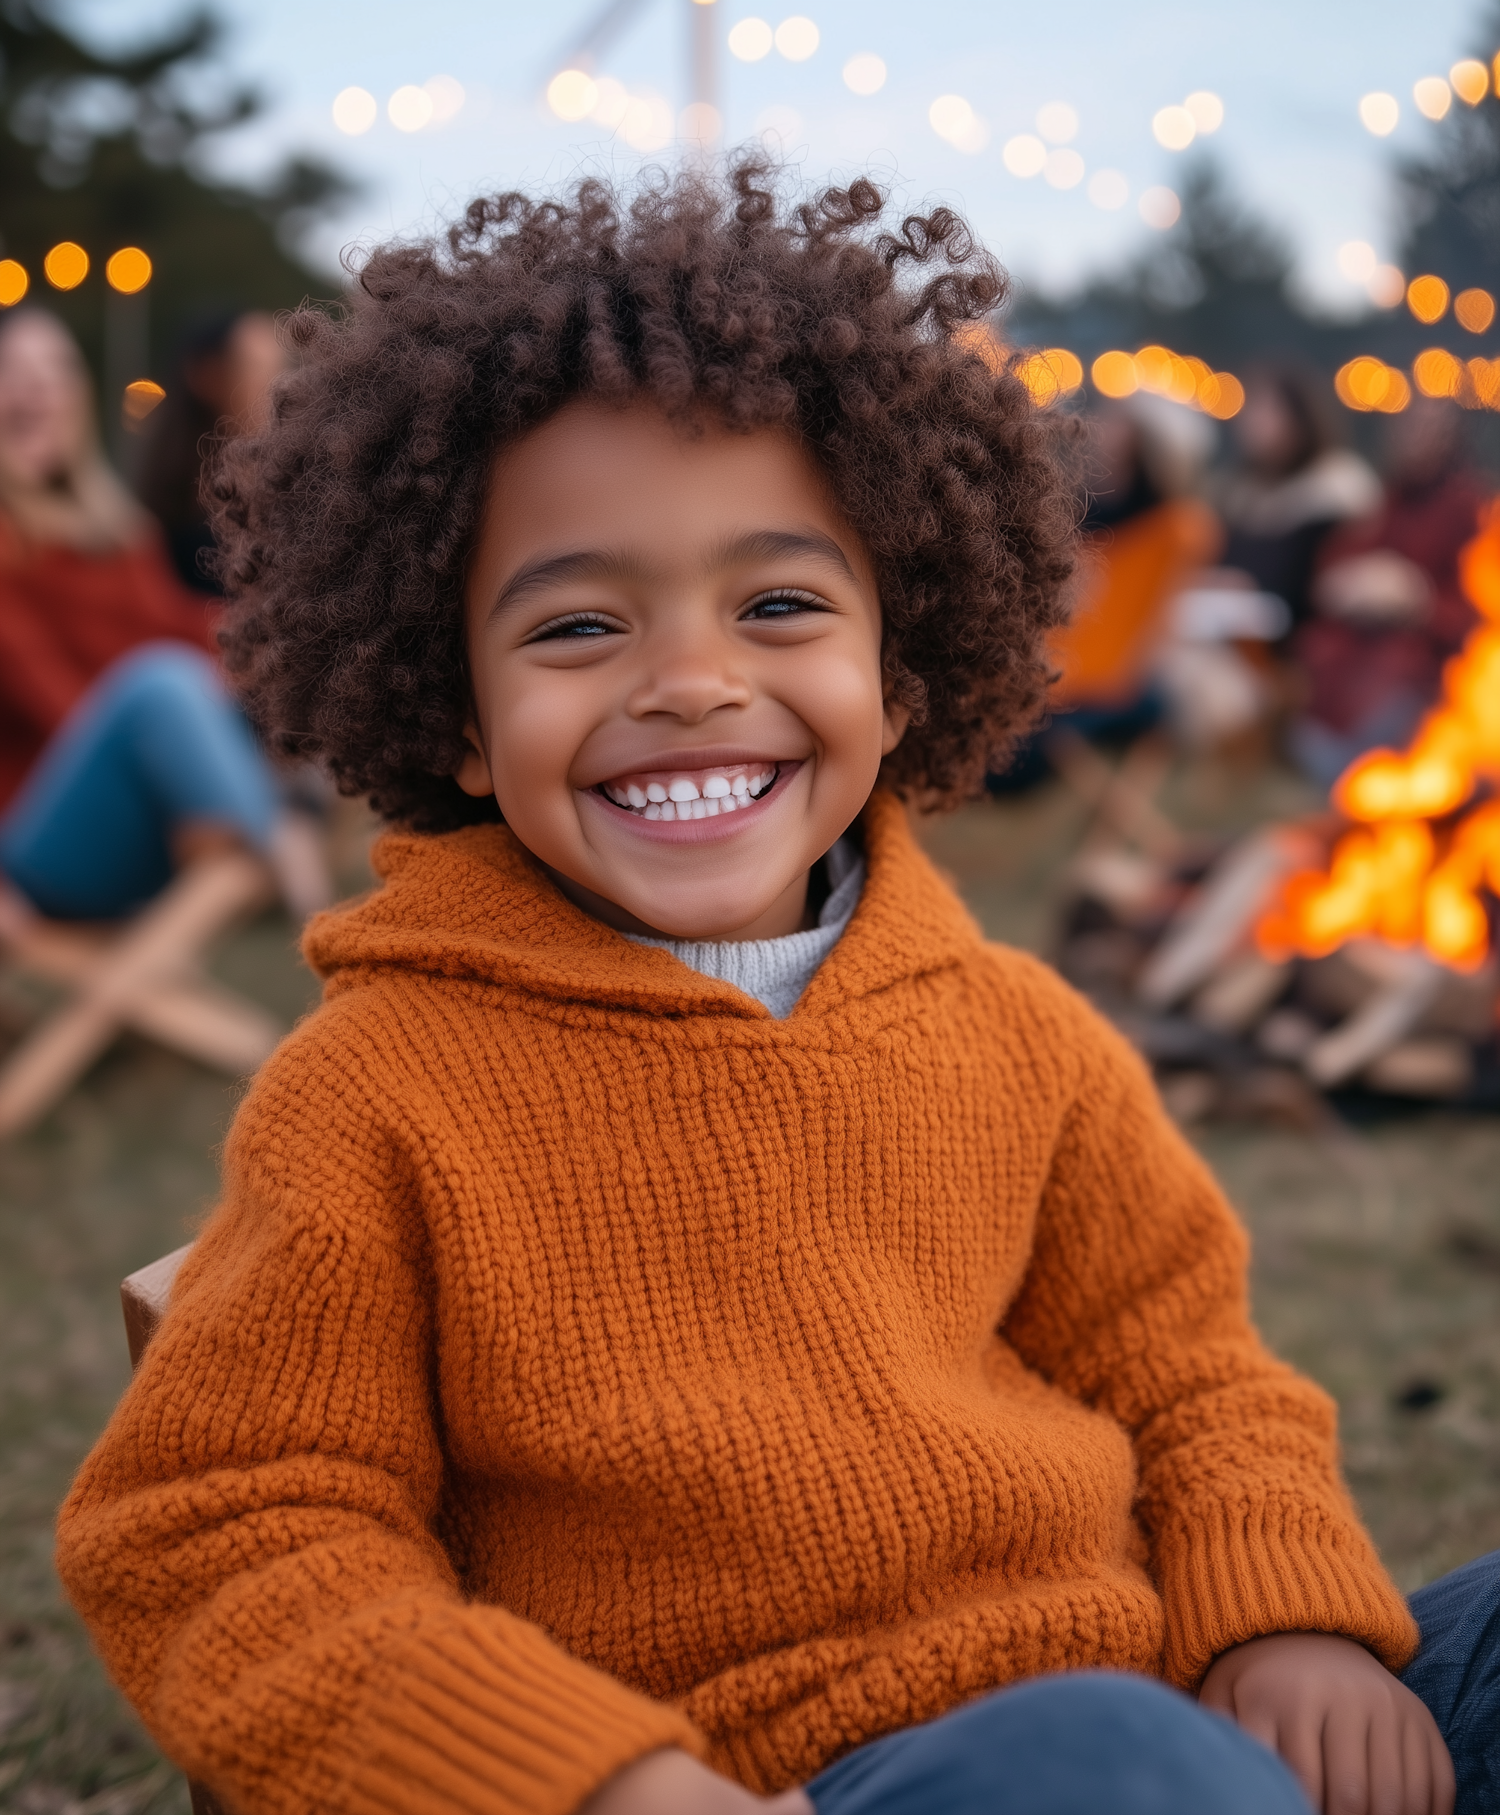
pixel 1387 286
pixel 66 265
pixel 1475 310
pixel 1159 208
pixel 572 94
pixel 140 399
pixel 14 283
pixel 410 108
pixel 1357 261
pixel 864 73
pixel 1427 298
pixel 1379 113
pixel 751 40
pixel 1433 97
pixel 1174 128
pixel 128 270
pixel 354 111
pixel 1114 375
pixel 1470 80
pixel 797 38
pixel 1058 123
pixel 1024 155
pixel 1207 110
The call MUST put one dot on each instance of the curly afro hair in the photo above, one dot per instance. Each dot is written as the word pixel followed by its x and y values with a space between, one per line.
pixel 345 528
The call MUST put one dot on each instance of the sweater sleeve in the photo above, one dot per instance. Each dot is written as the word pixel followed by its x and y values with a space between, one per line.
pixel 254 1540
pixel 1136 1302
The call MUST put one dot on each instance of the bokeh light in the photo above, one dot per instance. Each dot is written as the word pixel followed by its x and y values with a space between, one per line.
pixel 779 128
pixel 1357 261
pixel 128 270
pixel 1114 375
pixel 1050 374
pixel 410 108
pixel 140 399
pixel 1228 397
pixel 611 104
pixel 1064 168
pixel 1484 377
pixel 1207 110
pixel 1057 123
pixel 1159 207
pixel 1387 286
pixel 797 38
pixel 1437 372
pixel 66 265
pixel 447 96
pixel 572 94
pixel 354 111
pixel 751 39
pixel 1379 113
pixel 1174 128
pixel 1024 155
pixel 1367 383
pixel 1470 80
pixel 1433 97
pixel 1108 189
pixel 648 122
pixel 865 73
pixel 699 122
pixel 1427 298
pixel 1475 310
pixel 14 282
pixel 952 118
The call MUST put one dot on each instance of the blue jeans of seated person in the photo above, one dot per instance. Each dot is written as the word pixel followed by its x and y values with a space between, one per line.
pixel 1096 1743
pixel 154 742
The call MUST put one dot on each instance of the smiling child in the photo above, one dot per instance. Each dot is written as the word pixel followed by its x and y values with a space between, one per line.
pixel 690 1327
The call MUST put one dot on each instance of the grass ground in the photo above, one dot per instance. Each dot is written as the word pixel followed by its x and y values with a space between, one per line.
pixel 1377 1269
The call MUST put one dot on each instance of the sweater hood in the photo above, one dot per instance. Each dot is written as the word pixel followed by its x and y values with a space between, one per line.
pixel 474 906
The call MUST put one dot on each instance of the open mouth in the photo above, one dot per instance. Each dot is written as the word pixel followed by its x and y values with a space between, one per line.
pixel 691 793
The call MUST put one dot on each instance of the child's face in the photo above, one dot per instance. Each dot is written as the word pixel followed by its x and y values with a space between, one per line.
pixel 675 646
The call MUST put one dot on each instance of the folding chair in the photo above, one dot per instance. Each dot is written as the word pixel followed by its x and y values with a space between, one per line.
pixel 145 973
pixel 143 1299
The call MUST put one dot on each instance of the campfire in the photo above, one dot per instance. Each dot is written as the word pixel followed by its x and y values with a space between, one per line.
pixel 1352 951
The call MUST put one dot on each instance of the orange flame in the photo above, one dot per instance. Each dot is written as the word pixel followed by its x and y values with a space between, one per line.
pixel 1392 876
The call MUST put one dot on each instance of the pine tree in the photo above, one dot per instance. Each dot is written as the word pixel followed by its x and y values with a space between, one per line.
pixel 106 150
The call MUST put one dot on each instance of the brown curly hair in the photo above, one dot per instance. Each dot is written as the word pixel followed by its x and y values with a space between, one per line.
pixel 345 528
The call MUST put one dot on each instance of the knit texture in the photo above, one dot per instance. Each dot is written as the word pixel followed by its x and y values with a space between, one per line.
pixel 583 1360
pixel 777 971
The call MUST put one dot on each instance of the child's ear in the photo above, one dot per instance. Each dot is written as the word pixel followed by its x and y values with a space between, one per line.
pixel 473 771
pixel 894 719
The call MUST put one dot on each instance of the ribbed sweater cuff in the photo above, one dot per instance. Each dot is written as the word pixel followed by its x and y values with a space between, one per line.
pixel 466 1717
pixel 1233 1571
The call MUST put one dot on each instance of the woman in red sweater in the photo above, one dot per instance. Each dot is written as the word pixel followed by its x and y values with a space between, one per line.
pixel 120 753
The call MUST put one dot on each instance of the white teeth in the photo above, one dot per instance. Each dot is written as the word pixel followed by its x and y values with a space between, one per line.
pixel 681 798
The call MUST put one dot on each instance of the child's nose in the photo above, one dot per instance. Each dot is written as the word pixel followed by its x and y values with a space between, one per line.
pixel 689 679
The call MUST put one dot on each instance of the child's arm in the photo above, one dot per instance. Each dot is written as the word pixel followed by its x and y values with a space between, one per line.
pixel 1136 1303
pixel 252 1542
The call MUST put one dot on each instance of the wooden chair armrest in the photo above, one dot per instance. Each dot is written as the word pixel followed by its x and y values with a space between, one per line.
pixel 143 1299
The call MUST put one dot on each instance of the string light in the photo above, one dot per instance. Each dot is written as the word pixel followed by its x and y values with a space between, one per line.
pixel 14 282
pixel 128 270
pixel 66 265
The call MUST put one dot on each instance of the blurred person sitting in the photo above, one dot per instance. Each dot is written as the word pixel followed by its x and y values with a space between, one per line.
pixel 121 756
pixel 1388 606
pixel 1293 487
pixel 1142 534
pixel 222 376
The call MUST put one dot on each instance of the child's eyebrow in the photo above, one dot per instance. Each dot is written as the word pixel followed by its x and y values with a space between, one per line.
pixel 606 564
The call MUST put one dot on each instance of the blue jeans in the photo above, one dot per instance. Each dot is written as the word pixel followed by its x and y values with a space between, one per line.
pixel 155 742
pixel 1093 1742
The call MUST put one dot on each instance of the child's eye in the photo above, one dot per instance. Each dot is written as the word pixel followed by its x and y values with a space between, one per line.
pixel 777 607
pixel 577 627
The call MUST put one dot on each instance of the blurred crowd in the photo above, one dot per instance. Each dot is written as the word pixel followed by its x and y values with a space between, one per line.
pixel 122 757
pixel 1277 594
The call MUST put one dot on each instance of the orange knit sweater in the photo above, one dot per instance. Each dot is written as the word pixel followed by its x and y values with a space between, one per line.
pixel 584 1361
